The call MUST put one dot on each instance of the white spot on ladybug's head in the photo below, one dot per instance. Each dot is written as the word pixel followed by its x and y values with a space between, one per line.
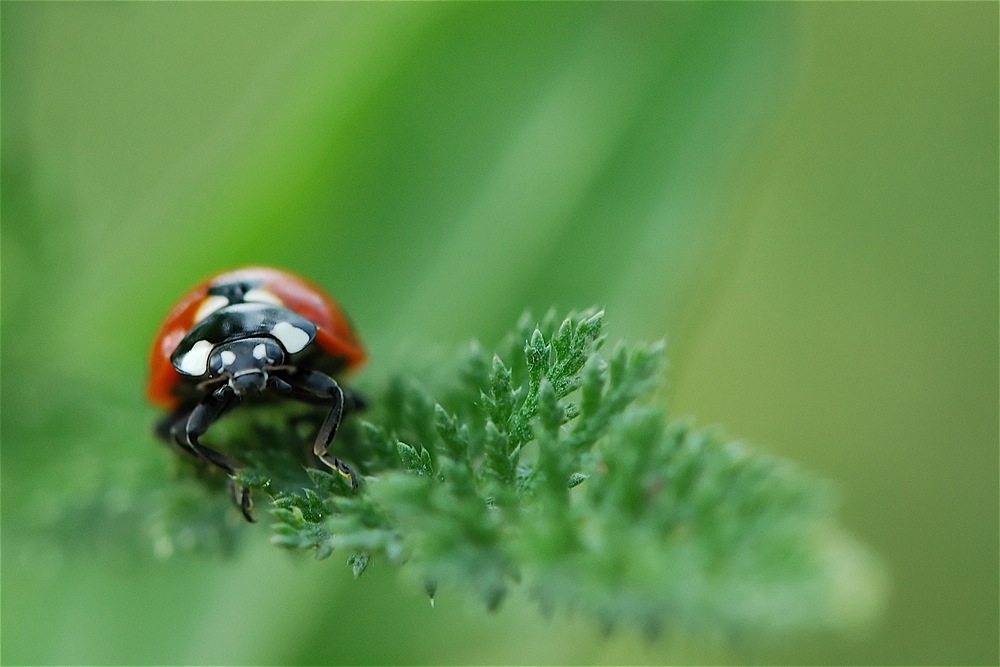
pixel 261 295
pixel 210 305
pixel 195 362
pixel 292 338
pixel 228 357
pixel 259 352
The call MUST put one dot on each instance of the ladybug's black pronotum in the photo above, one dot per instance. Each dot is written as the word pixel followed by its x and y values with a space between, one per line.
pixel 252 333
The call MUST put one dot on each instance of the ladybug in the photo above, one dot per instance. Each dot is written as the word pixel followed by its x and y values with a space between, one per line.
pixel 254 333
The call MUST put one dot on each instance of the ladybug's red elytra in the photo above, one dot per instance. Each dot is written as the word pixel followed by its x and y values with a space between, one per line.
pixel 251 333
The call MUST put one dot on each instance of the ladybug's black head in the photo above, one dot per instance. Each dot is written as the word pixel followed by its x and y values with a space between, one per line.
pixel 245 362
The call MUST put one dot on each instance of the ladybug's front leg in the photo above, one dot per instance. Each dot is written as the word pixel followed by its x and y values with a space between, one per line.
pixel 314 386
pixel 170 428
pixel 202 417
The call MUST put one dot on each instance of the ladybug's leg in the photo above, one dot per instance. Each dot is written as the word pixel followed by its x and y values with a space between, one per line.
pixel 201 418
pixel 171 428
pixel 313 386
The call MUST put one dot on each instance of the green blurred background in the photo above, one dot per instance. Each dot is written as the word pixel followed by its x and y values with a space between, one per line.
pixel 801 198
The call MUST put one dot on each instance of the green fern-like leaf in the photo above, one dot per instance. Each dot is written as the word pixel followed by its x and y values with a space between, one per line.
pixel 549 468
